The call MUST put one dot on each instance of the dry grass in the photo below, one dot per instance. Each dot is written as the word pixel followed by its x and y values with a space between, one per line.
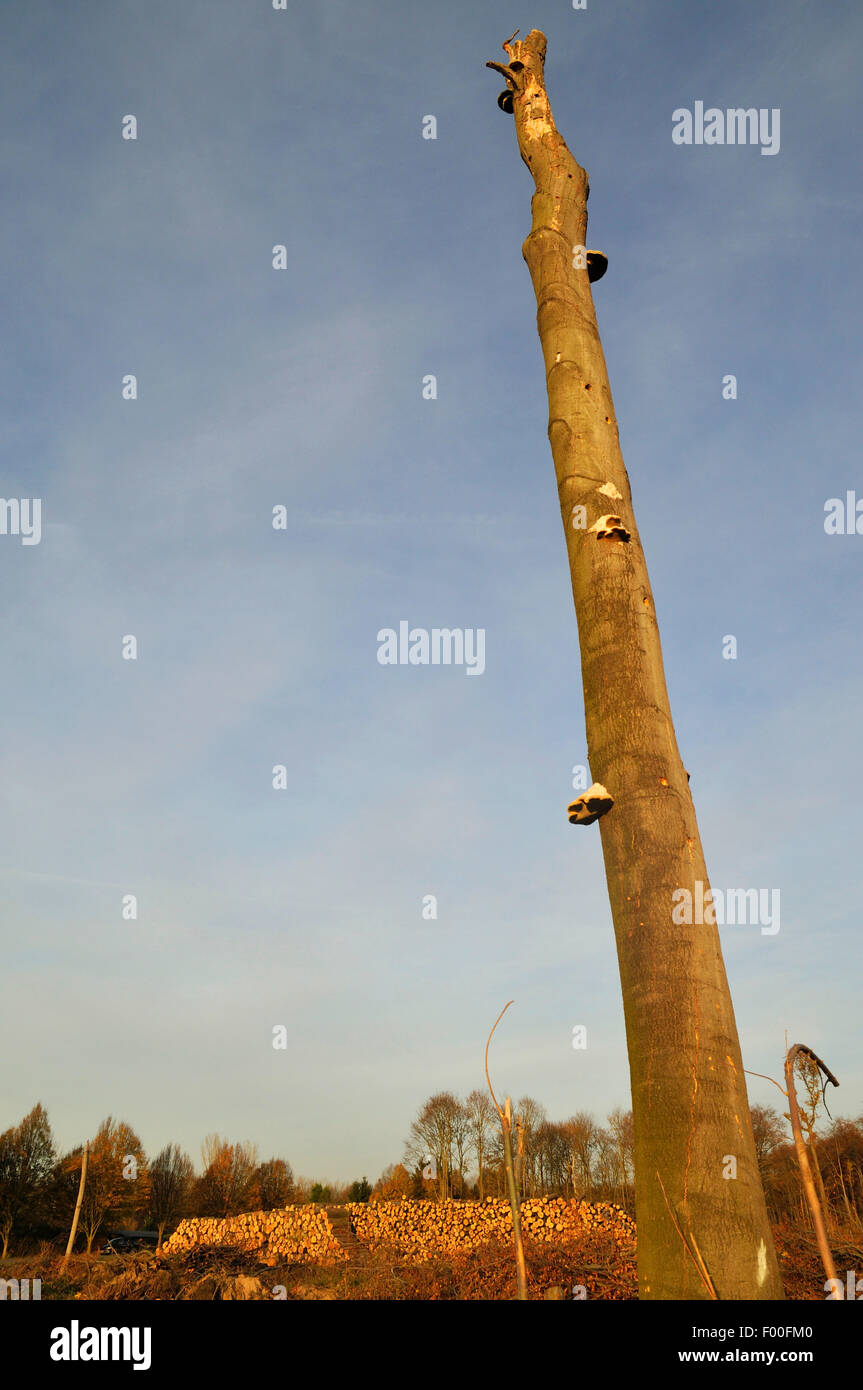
pixel 594 1260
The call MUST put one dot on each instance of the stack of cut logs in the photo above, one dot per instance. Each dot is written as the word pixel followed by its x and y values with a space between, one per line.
pixel 423 1229
pixel 300 1234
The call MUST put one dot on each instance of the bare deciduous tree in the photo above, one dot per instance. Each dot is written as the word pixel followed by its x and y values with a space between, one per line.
pixel 552 1149
pixel 689 1097
pixel 171 1176
pixel 274 1182
pixel 481 1121
pixel 432 1136
pixel 581 1133
pixel 532 1115
pixel 461 1131
pixel 621 1128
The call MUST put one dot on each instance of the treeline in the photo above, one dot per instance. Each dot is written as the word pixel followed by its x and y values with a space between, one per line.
pixel 125 1188
pixel 455 1150
pixel 836 1159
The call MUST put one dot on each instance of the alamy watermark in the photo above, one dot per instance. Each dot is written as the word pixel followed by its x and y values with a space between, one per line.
pixel 734 126
pixel 853 1288
pixel 77 1343
pixel 442 646
pixel 844 516
pixel 20 1289
pixel 21 516
pixel 727 907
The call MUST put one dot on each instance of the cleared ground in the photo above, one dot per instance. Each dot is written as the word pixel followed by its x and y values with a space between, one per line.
pixel 595 1264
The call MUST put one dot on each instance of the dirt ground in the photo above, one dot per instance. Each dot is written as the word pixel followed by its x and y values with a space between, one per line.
pixel 591 1267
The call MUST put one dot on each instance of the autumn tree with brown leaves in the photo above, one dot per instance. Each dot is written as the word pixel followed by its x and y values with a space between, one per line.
pixel 171 1176
pixel 226 1183
pixel 118 1183
pixel 26 1162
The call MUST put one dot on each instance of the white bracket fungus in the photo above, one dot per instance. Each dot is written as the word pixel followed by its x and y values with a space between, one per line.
pixel 590 805
pixel 610 528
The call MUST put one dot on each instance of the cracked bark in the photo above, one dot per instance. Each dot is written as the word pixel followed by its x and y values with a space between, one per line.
pixel 689 1099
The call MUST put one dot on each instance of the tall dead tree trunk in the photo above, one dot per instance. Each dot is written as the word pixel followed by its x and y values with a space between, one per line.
pixel 690 1107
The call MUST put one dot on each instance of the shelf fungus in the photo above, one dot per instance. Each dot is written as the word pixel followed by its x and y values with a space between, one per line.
pixel 590 805
pixel 610 528
pixel 597 265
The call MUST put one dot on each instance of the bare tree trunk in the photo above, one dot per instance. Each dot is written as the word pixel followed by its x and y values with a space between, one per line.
pixel 812 1148
pixel 512 1183
pixel 74 1229
pixel 843 1189
pixel 690 1107
pixel 849 1173
pixel 805 1167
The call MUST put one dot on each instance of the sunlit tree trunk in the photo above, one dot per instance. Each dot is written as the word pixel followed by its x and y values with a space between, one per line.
pixel 691 1113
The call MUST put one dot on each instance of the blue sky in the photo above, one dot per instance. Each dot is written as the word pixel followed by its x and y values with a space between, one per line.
pixel 257 647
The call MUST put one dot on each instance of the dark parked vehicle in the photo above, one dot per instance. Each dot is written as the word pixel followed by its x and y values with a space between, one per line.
pixel 123 1242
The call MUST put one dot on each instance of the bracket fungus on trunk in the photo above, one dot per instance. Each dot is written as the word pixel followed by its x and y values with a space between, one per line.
pixel 597 265
pixel 590 805
pixel 518 83
pixel 610 528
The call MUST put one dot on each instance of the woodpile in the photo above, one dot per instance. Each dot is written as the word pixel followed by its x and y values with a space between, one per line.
pixel 301 1235
pixel 424 1229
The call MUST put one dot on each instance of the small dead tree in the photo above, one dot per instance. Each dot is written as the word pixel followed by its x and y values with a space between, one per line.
pixel 809 1073
pixel 84 1158
pixel 799 1050
pixel 512 1171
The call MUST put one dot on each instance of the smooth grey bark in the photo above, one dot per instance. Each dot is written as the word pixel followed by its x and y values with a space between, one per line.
pixel 697 1226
